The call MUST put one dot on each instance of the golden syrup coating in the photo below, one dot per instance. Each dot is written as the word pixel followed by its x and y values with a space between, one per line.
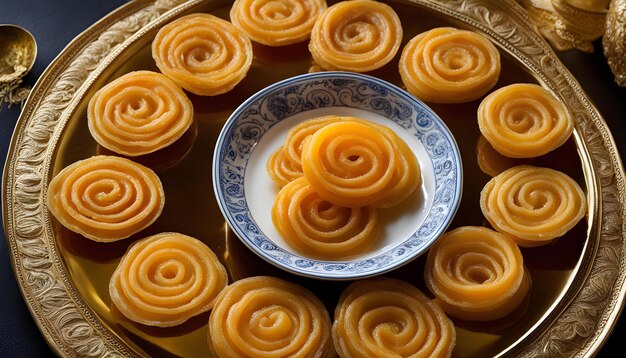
pixel 447 65
pixel 533 205
pixel 406 179
pixel 276 22
pixel 490 161
pixel 356 35
pixel 524 120
pixel 349 163
pixel 286 164
pixel 297 135
pixel 165 279
pixel 294 142
pixel 167 157
pixel 280 169
pixel 139 113
pixel 319 228
pixel 106 198
pixel 353 163
pixel 476 274
pixel 265 316
pixel 384 317
pixel 203 54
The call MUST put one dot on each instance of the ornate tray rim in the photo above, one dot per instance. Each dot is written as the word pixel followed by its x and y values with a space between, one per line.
pixel 577 326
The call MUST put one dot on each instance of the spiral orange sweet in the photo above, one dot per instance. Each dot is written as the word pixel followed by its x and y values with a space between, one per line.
pixel 285 164
pixel 356 35
pixel 476 274
pixel 384 317
pixel 354 163
pixel 139 113
pixel 165 279
pixel 276 22
pixel 406 179
pixel 105 198
pixel 533 205
pixel 203 54
pixel 447 65
pixel 524 120
pixel 319 228
pixel 297 135
pixel 264 316
pixel 280 169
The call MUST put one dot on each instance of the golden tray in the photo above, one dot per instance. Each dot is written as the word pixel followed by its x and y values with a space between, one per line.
pixel 579 281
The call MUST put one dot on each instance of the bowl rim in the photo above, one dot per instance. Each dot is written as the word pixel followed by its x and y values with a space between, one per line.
pixel 403 94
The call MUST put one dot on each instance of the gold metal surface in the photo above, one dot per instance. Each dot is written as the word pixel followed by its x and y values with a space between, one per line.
pixel 18 51
pixel 578 281
pixel 568 24
pixel 590 5
pixel 614 40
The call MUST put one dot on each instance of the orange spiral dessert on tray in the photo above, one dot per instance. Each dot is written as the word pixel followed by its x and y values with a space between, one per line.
pixel 447 65
pixel 477 274
pixel 276 22
pixel 319 228
pixel 384 317
pixel 524 120
pixel 357 35
pixel 139 113
pixel 268 317
pixel 353 163
pixel 203 54
pixel 165 279
pixel 105 198
pixel 533 205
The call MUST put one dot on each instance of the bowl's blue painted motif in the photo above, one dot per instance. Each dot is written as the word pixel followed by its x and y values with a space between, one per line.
pixel 259 113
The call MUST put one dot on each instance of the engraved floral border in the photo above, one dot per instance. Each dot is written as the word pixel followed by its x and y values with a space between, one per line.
pixel 334 89
pixel 576 328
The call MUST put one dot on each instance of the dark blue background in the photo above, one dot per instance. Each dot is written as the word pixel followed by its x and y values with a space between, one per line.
pixel 55 23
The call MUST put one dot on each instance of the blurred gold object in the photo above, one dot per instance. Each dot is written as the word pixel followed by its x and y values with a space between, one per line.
pixel 18 51
pixel 614 41
pixel 590 5
pixel 568 24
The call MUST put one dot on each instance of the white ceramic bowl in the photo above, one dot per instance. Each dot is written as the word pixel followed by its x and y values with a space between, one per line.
pixel 256 129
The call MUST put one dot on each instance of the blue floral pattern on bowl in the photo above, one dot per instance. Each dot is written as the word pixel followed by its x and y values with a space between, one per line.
pixel 260 112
